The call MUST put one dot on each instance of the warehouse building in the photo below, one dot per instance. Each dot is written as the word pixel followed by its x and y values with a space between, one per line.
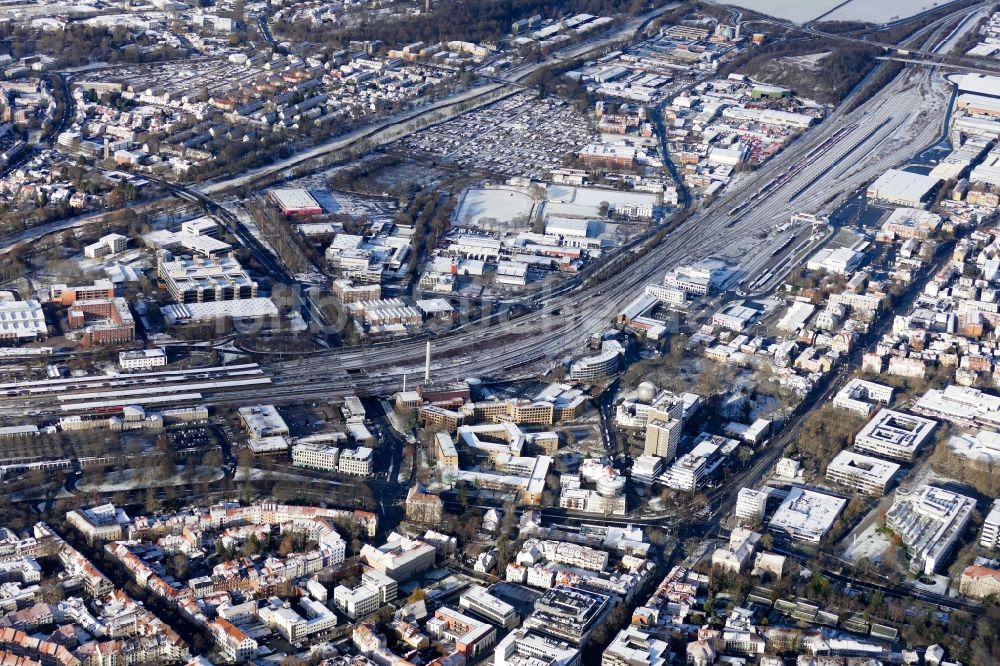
pixel 295 202
pixel 22 321
pixel 263 421
pixel 903 188
pixel 735 316
pixel 905 223
pixel 980 84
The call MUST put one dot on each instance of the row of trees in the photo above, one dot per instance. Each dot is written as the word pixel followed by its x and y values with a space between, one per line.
pixel 78 44
pixel 836 74
pixel 824 434
pixel 483 21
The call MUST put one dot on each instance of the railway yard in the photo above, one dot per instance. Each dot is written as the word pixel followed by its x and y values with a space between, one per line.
pixel 570 336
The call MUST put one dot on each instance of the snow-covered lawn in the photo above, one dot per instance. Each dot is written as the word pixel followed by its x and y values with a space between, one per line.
pixel 130 480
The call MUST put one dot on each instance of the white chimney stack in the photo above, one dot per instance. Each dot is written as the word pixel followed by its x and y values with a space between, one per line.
pixel 427 364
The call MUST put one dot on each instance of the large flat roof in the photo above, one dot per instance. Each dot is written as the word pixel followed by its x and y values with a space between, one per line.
pixel 980 84
pixel 896 429
pixel 294 198
pixel 899 185
pixel 806 514
pixel 862 466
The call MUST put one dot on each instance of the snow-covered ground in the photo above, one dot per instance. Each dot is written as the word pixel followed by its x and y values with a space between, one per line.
pixel 130 480
pixel 870 543
pixel 792 10
pixel 882 12
pixel 856 10
pixel 501 204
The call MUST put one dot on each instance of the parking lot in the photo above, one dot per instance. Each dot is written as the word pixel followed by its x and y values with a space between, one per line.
pixel 518 136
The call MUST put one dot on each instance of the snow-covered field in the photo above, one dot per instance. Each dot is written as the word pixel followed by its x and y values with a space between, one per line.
pixel 882 12
pixel 791 10
pixel 500 204
pixel 873 11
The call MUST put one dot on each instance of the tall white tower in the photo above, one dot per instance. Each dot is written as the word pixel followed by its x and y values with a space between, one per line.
pixel 427 364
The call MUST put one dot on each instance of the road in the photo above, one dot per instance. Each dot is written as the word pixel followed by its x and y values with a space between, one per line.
pixel 821 168
pixel 391 129
pixel 563 322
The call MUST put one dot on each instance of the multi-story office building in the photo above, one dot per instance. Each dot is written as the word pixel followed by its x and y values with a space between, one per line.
pixel 929 520
pixel 527 648
pixel 634 647
pixel 356 603
pixel 399 558
pixel 99 523
pixel 751 504
pixel 895 435
pixel 102 320
pixel 375 590
pixel 568 613
pixel 477 600
pixel 357 462
pixel 473 639
pixel 806 515
pixel 316 456
pixel 662 438
pixel 142 359
pixel 65 295
pixel 859 396
pixel 866 474
pixel 692 469
pixel 991 527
